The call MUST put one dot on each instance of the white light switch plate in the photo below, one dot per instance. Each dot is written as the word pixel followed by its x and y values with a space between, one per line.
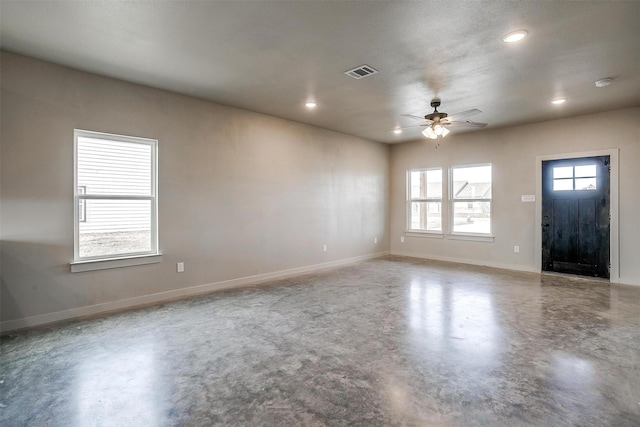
pixel 528 198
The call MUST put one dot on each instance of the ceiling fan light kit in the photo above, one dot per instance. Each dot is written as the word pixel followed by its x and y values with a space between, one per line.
pixel 441 130
pixel 429 133
pixel 434 131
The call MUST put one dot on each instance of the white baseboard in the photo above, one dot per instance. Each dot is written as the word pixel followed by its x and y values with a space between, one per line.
pixel 515 267
pixel 467 261
pixel 90 310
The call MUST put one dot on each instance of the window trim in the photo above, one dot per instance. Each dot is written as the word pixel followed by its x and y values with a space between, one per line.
pixel 409 201
pixel 104 264
pixel 457 235
pixel 115 260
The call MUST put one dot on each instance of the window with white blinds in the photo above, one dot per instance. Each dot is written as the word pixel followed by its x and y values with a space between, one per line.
pixel 115 196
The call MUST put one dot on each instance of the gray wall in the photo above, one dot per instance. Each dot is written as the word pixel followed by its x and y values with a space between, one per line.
pixel 241 194
pixel 512 152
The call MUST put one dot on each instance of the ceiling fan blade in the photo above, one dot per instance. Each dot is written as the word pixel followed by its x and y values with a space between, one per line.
pixel 467 123
pixel 462 115
pixel 411 127
pixel 412 116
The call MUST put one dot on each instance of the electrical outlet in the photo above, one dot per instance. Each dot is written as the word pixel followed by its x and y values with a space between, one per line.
pixel 402 239
pixel 516 249
pixel 180 267
pixel 375 240
pixel 324 248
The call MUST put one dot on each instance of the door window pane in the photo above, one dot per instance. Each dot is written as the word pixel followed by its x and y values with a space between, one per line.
pixel 562 184
pixel 563 172
pixel 585 184
pixel 585 171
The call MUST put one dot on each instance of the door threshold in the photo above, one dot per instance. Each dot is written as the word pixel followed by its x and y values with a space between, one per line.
pixel 576 276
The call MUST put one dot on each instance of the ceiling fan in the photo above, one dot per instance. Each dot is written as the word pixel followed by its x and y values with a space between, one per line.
pixel 437 122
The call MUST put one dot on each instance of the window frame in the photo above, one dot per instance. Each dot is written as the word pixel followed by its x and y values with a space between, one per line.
pixel 452 200
pixel 410 200
pixel 82 206
pixel 120 259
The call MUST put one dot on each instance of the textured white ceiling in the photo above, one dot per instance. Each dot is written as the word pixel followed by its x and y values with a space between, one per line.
pixel 271 57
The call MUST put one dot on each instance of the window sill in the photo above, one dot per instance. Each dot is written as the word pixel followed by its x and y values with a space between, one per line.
pixel 104 264
pixel 424 234
pixel 471 237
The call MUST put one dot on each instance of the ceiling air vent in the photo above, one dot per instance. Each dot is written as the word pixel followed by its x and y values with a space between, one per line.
pixel 361 71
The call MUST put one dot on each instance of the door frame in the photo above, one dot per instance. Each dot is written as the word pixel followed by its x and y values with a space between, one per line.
pixel 614 236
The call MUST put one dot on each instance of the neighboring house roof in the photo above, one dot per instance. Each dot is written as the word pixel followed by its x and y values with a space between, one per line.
pixel 475 190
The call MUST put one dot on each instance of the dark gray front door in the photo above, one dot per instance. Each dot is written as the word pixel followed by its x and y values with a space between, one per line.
pixel 575 216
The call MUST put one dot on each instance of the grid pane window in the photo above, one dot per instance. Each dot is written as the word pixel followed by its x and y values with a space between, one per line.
pixel 569 178
pixel 424 204
pixel 471 199
pixel 115 196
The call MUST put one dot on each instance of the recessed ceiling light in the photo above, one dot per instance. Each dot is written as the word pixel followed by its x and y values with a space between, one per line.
pixel 604 82
pixel 397 131
pixel 558 101
pixel 311 104
pixel 514 36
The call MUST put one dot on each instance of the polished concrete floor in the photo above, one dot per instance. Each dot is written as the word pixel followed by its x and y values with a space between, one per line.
pixel 392 341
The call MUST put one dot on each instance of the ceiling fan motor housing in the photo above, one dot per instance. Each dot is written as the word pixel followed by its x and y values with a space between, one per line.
pixel 436 116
